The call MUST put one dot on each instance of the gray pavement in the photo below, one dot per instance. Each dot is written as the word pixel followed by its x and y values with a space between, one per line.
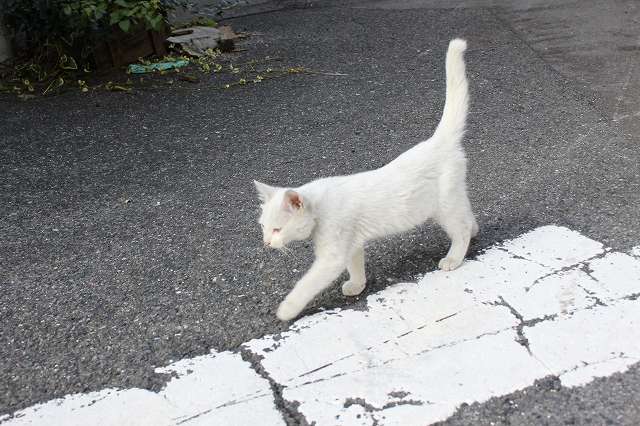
pixel 128 221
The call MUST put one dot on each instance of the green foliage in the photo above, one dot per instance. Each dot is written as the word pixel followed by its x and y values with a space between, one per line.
pixel 55 37
pixel 79 21
pixel 126 13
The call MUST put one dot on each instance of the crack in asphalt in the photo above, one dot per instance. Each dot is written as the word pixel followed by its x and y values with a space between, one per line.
pixel 591 295
pixel 521 339
pixel 371 408
pixel 288 409
pixel 633 296
pixel 621 355
pixel 583 265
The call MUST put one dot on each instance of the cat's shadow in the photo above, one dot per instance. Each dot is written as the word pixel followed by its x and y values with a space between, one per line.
pixel 403 258
pixel 400 258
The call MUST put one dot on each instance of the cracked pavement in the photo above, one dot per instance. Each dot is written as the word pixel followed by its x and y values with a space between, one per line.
pixel 97 293
pixel 488 332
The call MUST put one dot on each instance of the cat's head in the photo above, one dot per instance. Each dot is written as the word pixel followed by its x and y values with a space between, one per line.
pixel 285 215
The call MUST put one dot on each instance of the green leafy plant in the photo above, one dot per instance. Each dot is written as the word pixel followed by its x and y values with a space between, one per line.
pixel 55 38
pixel 123 13
pixel 37 21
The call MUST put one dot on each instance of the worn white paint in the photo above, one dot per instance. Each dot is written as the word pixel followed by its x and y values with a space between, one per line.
pixel 417 352
pixel 618 275
pixel 590 343
pixel 551 272
pixel 435 381
pixel 213 389
pixel 554 246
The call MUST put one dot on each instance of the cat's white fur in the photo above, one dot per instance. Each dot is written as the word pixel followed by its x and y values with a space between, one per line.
pixel 342 213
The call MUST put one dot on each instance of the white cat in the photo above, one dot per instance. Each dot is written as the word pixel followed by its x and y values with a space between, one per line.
pixel 342 213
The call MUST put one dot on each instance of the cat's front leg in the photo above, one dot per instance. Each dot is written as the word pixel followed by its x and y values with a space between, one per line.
pixel 357 279
pixel 321 274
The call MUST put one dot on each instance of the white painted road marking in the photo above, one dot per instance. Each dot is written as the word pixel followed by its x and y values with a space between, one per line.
pixel 544 303
pixel 212 389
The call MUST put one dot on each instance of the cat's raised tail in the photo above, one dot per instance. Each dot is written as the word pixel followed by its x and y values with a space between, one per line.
pixel 454 116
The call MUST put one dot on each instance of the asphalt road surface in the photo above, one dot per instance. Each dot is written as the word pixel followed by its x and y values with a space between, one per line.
pixel 129 235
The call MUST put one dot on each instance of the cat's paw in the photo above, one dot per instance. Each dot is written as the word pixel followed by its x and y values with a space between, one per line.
pixel 288 310
pixel 352 288
pixel 448 264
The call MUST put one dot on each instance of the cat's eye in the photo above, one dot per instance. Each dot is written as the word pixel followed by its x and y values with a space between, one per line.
pixel 275 230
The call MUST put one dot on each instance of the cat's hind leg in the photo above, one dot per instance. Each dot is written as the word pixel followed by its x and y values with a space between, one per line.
pixel 357 279
pixel 460 225
pixel 460 235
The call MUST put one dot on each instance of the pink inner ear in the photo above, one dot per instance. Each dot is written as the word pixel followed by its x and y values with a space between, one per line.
pixel 293 199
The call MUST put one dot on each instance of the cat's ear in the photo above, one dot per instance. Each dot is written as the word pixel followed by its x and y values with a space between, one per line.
pixel 265 192
pixel 292 201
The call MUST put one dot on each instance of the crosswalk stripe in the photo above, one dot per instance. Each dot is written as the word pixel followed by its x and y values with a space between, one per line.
pixel 545 303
